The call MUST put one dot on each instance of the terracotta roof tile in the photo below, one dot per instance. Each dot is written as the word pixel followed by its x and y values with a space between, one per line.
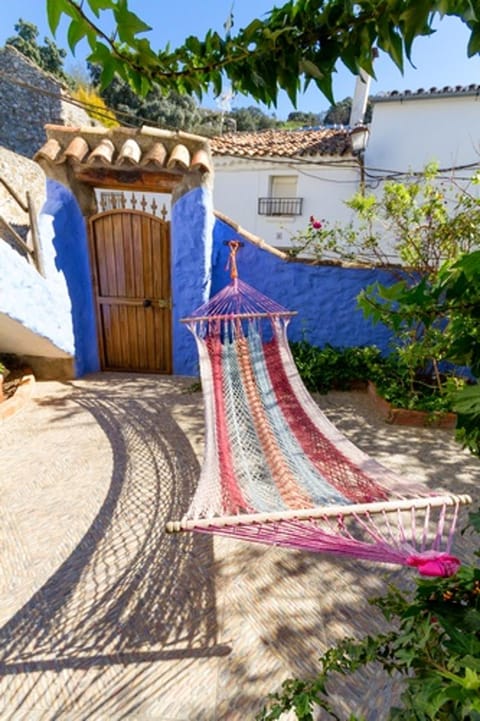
pixel 130 153
pixel 422 93
pixel 179 157
pixel 77 150
pixel 283 143
pixel 155 156
pixel 149 148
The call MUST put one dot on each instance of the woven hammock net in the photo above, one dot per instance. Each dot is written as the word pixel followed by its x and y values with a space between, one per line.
pixel 277 471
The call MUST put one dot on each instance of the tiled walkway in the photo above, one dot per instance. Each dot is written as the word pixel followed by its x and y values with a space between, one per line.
pixel 104 617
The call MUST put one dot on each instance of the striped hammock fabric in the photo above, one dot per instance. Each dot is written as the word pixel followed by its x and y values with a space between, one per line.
pixel 277 471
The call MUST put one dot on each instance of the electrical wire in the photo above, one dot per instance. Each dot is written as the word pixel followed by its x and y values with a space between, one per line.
pixel 374 175
pixel 88 107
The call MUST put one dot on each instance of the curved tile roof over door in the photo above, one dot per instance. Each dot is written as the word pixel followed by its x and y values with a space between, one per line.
pixel 120 148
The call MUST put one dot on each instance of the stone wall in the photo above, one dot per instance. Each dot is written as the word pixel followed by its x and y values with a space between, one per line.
pixel 22 175
pixel 29 99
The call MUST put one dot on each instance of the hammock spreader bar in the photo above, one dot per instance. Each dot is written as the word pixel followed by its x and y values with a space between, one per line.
pixel 318 513
pixel 277 471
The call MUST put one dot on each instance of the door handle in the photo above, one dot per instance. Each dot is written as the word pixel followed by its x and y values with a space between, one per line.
pixel 147 303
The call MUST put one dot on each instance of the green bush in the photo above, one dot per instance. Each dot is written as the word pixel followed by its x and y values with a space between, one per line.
pixel 434 644
pixel 435 320
pixel 328 368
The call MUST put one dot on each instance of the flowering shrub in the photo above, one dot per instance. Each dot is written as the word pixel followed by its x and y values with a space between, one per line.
pixel 318 239
pixel 95 106
pixel 433 309
pixel 419 223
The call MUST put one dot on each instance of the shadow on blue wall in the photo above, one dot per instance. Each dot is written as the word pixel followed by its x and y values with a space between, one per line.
pixel 70 243
pixel 324 296
pixel 191 272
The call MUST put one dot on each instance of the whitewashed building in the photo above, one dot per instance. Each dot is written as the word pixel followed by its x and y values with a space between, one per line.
pixel 412 128
pixel 272 181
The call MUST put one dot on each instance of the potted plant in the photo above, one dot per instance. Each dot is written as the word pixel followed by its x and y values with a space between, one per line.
pixel 432 302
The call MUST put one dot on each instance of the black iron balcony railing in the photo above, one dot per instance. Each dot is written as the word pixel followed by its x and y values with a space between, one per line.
pixel 280 206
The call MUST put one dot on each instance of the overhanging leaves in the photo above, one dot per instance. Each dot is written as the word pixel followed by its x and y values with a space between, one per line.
pixel 300 42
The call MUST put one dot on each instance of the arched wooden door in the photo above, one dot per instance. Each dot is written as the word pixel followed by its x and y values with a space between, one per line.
pixel 130 256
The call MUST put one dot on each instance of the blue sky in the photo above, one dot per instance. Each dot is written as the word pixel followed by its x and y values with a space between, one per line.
pixel 440 59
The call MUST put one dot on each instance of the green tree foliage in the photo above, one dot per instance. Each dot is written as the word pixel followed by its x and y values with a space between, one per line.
pixel 251 118
pixel 300 118
pixel 49 56
pixel 299 43
pixel 173 110
pixel 434 646
pixel 339 113
pixel 170 110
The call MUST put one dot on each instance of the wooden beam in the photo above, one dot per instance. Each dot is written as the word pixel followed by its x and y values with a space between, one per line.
pixel 14 194
pixel 137 179
pixel 35 236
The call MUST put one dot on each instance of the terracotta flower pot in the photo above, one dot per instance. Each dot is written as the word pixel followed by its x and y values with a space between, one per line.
pixel 407 417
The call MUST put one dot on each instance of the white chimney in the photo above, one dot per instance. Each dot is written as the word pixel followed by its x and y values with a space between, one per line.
pixel 360 99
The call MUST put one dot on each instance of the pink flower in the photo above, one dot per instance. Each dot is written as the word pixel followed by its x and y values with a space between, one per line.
pixel 314 223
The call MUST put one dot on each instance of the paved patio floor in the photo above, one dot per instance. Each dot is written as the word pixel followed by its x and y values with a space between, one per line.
pixel 105 617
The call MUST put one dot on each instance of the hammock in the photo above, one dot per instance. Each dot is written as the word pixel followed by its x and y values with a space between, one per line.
pixel 277 471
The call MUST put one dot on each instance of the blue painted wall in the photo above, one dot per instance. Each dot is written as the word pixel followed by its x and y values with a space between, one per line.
pixel 72 262
pixel 59 306
pixel 192 225
pixel 323 295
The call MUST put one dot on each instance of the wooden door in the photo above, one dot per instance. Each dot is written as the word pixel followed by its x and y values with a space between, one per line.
pixel 130 254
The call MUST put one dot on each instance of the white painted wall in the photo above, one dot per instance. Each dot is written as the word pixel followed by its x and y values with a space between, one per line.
pixel 240 183
pixel 407 134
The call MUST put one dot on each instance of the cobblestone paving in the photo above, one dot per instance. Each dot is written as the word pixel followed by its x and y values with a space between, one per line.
pixel 104 617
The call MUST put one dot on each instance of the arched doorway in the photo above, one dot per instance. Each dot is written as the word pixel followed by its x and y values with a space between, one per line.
pixel 130 257
pixel 117 161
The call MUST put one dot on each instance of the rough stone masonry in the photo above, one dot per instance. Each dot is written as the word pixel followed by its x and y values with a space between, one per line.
pixel 29 99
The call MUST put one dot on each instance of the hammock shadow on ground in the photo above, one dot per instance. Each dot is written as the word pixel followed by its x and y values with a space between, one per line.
pixel 430 454
pixel 127 627
pixel 286 608
pixel 128 595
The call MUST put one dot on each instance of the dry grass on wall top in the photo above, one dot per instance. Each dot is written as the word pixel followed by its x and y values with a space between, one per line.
pixel 95 106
